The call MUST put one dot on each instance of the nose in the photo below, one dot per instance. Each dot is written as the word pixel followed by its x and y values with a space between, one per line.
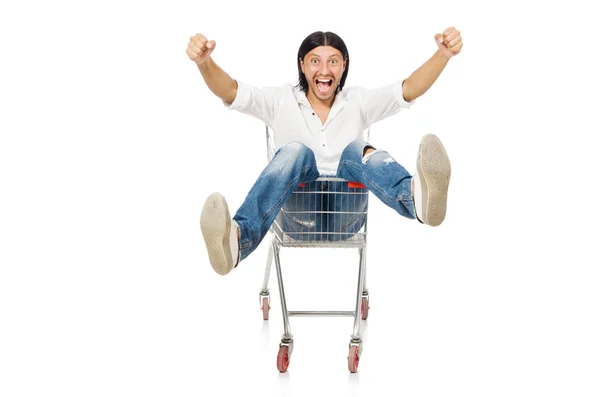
pixel 324 69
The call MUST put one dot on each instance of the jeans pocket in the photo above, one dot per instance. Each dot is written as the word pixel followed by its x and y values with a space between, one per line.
pixel 295 227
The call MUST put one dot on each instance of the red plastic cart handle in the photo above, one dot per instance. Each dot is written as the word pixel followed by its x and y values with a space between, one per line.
pixel 356 185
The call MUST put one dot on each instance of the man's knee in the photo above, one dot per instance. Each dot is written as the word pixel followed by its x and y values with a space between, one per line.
pixel 296 150
pixel 359 148
pixel 295 147
pixel 368 149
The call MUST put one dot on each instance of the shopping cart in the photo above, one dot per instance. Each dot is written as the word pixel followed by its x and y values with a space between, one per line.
pixel 327 213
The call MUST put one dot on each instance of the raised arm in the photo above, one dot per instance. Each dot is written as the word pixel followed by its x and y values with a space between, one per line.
pixel 217 80
pixel 449 44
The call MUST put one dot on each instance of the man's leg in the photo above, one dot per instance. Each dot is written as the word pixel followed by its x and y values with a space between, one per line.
pixel 423 196
pixel 229 241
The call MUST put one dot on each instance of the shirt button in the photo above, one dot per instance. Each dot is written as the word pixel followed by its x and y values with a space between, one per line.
pixel 313 113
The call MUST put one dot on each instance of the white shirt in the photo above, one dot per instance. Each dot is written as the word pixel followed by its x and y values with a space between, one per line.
pixel 288 113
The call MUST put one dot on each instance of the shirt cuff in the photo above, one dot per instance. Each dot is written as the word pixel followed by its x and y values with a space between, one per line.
pixel 400 96
pixel 241 97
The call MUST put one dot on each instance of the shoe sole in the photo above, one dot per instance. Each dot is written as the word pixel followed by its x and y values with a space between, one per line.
pixel 434 171
pixel 215 224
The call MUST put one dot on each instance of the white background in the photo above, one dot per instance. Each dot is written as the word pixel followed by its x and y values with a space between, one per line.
pixel 110 142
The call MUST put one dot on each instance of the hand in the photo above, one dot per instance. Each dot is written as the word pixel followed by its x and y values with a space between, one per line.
pixel 200 48
pixel 450 43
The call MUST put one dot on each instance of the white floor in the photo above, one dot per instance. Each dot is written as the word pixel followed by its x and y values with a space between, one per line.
pixel 452 313
pixel 152 320
pixel 440 323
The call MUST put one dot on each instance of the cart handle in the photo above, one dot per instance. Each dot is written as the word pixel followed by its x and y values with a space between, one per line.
pixel 352 185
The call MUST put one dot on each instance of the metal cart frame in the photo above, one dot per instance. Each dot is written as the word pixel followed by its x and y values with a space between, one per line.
pixel 282 237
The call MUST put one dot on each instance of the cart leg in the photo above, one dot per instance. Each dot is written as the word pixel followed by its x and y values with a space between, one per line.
pixel 355 347
pixel 359 295
pixel 365 291
pixel 265 286
pixel 264 296
pixel 362 253
pixel 286 347
pixel 286 321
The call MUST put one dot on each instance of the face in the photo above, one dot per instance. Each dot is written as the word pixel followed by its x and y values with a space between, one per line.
pixel 323 68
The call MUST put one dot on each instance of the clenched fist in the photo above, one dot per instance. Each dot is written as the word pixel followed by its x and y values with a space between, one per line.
pixel 449 42
pixel 200 48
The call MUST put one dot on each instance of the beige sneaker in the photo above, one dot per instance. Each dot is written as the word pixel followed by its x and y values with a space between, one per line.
pixel 431 181
pixel 220 234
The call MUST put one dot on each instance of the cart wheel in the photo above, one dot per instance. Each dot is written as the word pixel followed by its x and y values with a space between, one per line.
pixel 265 307
pixel 353 359
pixel 364 308
pixel 283 358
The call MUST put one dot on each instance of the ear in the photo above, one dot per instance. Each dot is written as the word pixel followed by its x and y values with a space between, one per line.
pixel 302 65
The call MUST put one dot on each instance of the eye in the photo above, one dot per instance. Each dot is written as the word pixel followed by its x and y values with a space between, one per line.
pixel 314 61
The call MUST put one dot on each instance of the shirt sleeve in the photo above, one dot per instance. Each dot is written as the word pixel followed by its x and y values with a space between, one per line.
pixel 382 102
pixel 262 103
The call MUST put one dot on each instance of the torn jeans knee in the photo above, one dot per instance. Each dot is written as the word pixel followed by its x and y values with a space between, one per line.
pixel 366 157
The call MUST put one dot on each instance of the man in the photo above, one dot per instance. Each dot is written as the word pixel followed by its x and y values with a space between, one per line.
pixel 318 128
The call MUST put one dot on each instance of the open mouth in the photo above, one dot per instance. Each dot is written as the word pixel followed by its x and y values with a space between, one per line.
pixel 324 85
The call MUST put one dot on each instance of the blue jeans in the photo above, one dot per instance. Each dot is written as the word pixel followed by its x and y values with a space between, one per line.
pixel 325 211
pixel 294 164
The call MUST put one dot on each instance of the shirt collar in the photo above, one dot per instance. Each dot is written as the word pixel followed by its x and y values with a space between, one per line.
pixel 338 103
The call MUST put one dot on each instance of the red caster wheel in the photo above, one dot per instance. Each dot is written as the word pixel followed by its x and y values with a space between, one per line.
pixel 265 307
pixel 364 308
pixel 283 358
pixel 353 358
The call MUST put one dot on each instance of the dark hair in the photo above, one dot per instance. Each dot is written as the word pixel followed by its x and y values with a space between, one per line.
pixel 317 39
